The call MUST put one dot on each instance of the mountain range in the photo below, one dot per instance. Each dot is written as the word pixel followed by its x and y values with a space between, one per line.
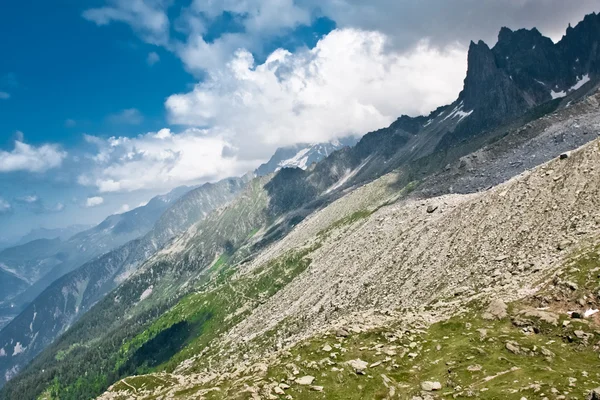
pixel 37 263
pixel 365 271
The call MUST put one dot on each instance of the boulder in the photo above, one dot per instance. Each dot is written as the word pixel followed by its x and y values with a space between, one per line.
pixel 496 310
pixel 359 366
pixel 429 386
pixel 513 347
pixel 305 380
pixel 341 333
pixel 431 209
pixel 594 394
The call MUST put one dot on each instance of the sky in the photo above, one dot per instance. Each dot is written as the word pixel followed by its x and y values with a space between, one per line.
pixel 106 103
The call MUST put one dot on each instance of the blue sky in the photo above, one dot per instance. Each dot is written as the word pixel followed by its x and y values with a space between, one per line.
pixel 105 103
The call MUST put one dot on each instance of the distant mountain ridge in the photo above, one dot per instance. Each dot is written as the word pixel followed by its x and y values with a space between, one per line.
pixel 302 155
pixel 41 261
pixel 52 233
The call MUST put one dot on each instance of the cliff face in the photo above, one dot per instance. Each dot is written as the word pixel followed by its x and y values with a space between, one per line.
pixel 523 70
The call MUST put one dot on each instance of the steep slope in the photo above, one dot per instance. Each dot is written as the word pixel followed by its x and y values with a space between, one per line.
pixel 155 286
pixel 69 297
pixel 10 285
pixel 32 260
pixel 411 264
pixel 41 262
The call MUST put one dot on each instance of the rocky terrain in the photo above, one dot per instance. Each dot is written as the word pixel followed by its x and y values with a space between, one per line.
pixel 394 287
pixel 449 255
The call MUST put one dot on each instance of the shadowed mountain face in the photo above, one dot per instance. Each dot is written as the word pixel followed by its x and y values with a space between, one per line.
pixel 506 88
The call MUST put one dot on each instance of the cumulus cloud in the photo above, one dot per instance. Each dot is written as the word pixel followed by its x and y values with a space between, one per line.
pixel 29 199
pixel 160 160
pixel 148 18
pixel 94 201
pixel 123 209
pixel 348 84
pixel 4 95
pixel 5 206
pixel 130 116
pixel 386 58
pixel 152 58
pixel 25 157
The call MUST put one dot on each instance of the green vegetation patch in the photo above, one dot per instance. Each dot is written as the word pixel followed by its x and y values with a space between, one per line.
pixel 199 318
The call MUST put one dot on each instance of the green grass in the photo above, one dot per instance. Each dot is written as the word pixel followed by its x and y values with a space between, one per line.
pixel 550 363
pixel 349 220
pixel 214 310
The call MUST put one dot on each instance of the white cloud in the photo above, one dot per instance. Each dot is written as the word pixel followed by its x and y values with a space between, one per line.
pixel 70 123
pixel 130 116
pixel 160 160
pixel 153 58
pixel 350 83
pixel 29 199
pixel 148 18
pixel 58 207
pixel 4 95
pixel 94 201
pixel 25 157
pixel 5 206
pixel 123 209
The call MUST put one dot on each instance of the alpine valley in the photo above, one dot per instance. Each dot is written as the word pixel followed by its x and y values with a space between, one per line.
pixel 453 255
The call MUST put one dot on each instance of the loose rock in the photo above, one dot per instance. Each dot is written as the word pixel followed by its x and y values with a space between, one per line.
pixel 305 380
pixel 431 386
pixel 496 310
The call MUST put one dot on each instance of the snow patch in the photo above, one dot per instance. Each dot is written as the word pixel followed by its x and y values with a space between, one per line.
pixel 589 313
pixel 458 112
pixel 2 352
pixel 557 95
pixel 463 114
pixel 299 160
pixel 18 349
pixel 146 293
pixel 581 81
pixel 32 321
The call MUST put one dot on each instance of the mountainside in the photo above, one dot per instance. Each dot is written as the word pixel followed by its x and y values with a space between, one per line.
pixel 41 262
pixel 377 286
pixel 302 155
pixel 388 251
pixel 69 297
pixel 45 233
